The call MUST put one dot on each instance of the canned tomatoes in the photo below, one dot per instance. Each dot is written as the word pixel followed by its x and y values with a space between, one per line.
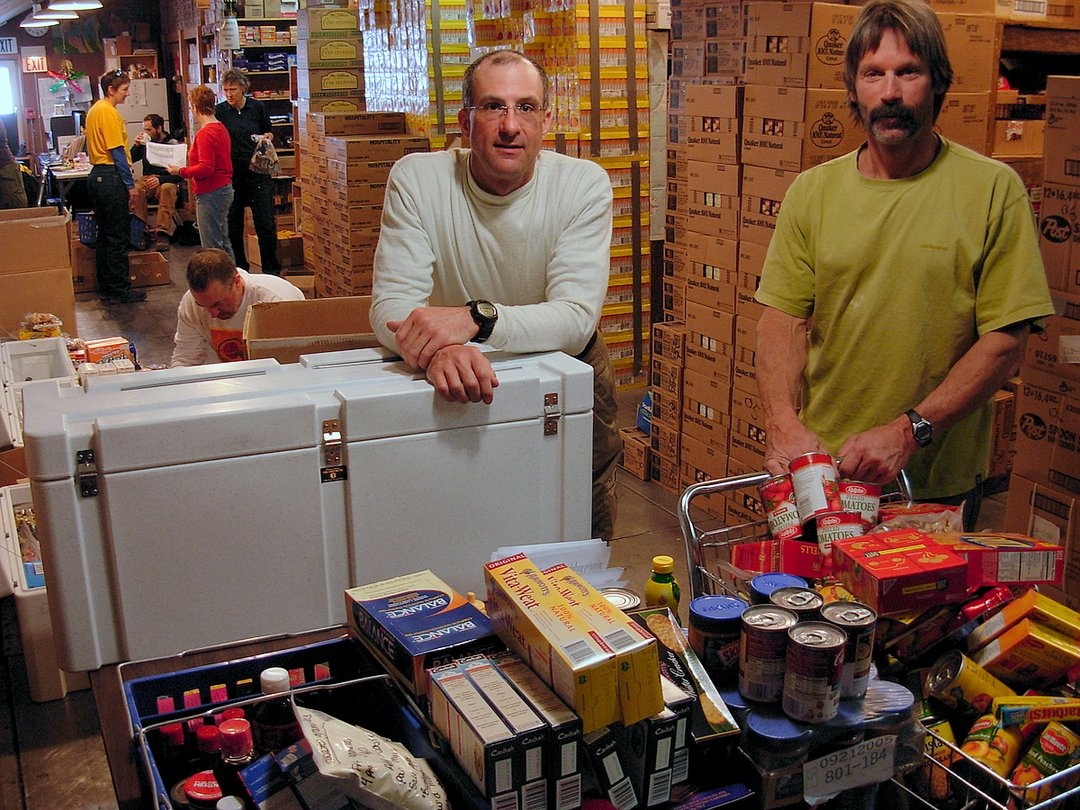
pixel 814 479
pixel 859 622
pixel 857 496
pixel 778 496
pixel 763 643
pixel 813 668
pixel 837 526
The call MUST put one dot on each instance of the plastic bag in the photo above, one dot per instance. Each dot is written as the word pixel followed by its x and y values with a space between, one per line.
pixel 265 159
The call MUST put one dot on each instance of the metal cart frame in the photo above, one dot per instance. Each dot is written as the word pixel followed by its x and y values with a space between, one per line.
pixel 703 572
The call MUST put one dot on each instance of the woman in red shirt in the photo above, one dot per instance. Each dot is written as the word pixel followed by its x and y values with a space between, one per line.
pixel 209 168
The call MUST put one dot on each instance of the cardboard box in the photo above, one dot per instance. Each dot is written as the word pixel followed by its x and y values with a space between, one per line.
pixel 1049 514
pixel 1030 654
pixel 415 622
pixel 1003 433
pixel 1032 605
pixel 1046 448
pixel 148 269
pixel 635 457
pixel 763 192
pixel 973 51
pixel 1056 350
pixel 797 44
pixel 795 128
pixel 319 53
pixel 287 329
pixel 899 570
pixel 290 249
pixel 47 290
pixel 669 341
pixel 326 23
pixel 1061 142
pixel 363 147
pixel 965 118
pixel 607 754
pixel 1059 235
pixel 1018 138
pixel 1015 559
pixel 43 235
pixel 364 123
pixel 538 624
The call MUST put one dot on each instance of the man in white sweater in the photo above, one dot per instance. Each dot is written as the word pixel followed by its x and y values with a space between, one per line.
pixel 210 318
pixel 504 244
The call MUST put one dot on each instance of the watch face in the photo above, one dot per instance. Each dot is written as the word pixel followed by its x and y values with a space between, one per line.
pixel 486 309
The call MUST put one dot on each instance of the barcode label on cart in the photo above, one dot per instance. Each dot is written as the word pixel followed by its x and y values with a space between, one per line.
pixel 867 763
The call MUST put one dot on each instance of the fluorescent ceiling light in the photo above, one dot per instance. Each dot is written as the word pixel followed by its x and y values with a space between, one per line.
pixel 75 5
pixel 49 13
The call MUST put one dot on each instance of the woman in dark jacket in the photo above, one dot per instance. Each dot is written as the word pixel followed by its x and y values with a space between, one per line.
pixel 12 190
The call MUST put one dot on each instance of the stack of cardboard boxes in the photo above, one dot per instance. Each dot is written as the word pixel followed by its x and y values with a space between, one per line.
pixel 1044 492
pixel 35 274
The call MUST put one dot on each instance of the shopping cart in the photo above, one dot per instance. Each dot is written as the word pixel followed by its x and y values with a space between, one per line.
pixel 722 560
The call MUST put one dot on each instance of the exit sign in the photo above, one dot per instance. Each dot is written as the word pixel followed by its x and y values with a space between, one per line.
pixel 9 46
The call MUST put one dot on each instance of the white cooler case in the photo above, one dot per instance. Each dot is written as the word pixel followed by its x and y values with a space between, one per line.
pixel 191 507
pixel 23 362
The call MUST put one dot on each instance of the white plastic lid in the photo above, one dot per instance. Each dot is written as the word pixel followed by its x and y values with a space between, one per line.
pixel 274 680
pixel 229 803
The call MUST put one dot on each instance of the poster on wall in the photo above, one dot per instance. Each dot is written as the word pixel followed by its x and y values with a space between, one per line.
pixel 62 102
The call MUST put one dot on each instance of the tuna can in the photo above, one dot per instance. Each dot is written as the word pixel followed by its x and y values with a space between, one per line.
pixel 764 584
pixel 957 681
pixel 861 497
pixel 622 598
pixel 813 668
pixel 806 603
pixel 838 526
pixel 715 622
pixel 763 641
pixel 781 513
pixel 814 479
pixel 859 622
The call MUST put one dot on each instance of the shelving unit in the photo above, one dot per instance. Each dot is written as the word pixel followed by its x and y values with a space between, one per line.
pixel 261 38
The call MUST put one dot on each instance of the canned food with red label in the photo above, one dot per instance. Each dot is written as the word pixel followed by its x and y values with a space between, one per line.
pixel 859 621
pixel 837 526
pixel 814 479
pixel 861 497
pixel 763 643
pixel 781 513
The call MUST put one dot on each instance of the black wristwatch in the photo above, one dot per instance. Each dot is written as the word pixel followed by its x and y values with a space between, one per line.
pixel 485 315
pixel 921 428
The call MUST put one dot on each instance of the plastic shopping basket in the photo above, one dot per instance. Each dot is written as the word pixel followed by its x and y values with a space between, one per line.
pixel 88 231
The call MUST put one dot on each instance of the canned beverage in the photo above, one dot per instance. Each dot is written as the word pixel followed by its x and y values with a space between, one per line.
pixel 837 526
pixel 814 479
pixel 859 621
pixel 715 622
pixel 764 584
pixel 861 497
pixel 781 513
pixel 622 598
pixel 1055 749
pixel 813 667
pixel 763 640
pixel 957 681
pixel 806 603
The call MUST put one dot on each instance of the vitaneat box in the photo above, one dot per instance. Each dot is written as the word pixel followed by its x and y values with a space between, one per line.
pixel 539 625
pixel 899 570
pixel 415 622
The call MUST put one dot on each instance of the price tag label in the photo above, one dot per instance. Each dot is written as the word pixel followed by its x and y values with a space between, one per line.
pixel 866 763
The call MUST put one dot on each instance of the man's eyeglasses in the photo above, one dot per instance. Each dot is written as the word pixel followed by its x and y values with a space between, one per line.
pixel 493 110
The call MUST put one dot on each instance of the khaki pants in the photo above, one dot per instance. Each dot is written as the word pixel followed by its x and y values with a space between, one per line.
pixel 166 199
pixel 607 445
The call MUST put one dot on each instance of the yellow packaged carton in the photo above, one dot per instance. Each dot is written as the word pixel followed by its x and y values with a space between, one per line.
pixel 535 621
pixel 636 657
pixel 1031 654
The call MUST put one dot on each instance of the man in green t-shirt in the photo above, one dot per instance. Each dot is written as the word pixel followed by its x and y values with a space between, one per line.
pixel 901 283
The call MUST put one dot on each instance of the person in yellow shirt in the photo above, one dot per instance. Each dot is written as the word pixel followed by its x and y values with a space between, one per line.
pixel 112 189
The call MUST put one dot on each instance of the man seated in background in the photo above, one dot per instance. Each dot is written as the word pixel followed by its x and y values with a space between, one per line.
pixel 210 318
pixel 156 184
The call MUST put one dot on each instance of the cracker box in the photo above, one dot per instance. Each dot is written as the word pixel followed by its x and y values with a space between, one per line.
pixel 1030 605
pixel 482 743
pixel 537 623
pixel 636 658
pixel 999 558
pixel 899 570
pixel 607 751
pixel 415 622
pixel 564 757
pixel 650 747
pixel 1030 654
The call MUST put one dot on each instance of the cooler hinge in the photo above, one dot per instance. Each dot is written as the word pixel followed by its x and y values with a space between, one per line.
pixel 86 473
pixel 332 469
pixel 552 414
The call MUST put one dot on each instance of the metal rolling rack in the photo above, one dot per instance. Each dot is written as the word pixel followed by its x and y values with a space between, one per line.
pixel 711 570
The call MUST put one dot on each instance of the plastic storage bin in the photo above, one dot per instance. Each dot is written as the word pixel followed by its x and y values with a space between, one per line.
pixel 26 579
pixel 26 361
pixel 88 231
pixel 329 671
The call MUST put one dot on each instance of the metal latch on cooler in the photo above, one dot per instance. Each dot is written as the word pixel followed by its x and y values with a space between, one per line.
pixel 86 473
pixel 333 469
pixel 552 414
